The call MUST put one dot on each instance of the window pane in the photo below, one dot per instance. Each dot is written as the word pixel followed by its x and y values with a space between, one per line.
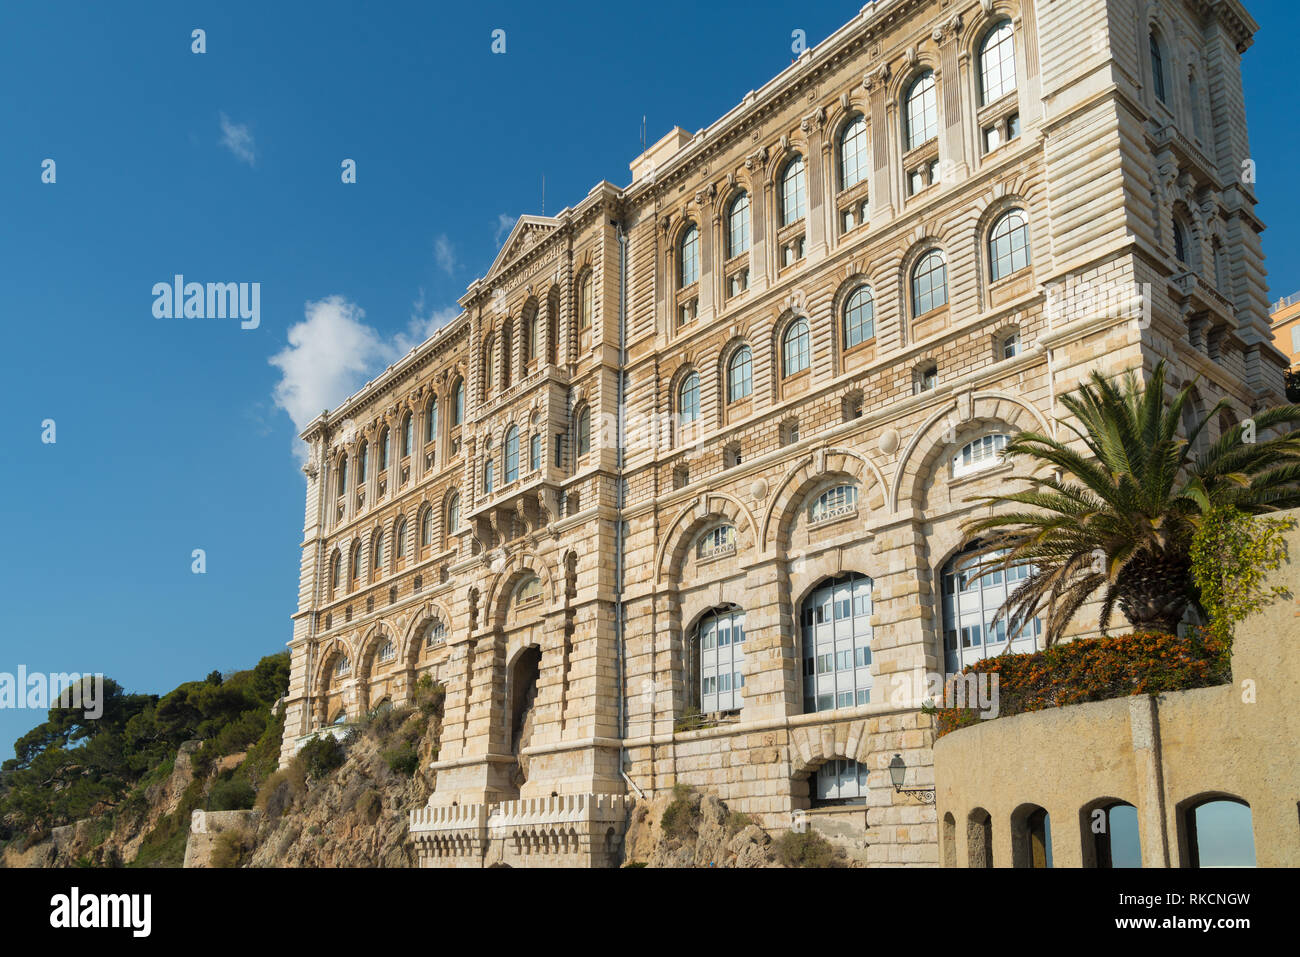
pixel 738 226
pixel 853 153
pixel 793 194
pixel 998 63
pixel 922 111
pixel 859 318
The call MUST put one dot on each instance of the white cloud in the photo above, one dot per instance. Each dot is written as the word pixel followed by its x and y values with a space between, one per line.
pixel 444 255
pixel 333 352
pixel 504 223
pixel 238 138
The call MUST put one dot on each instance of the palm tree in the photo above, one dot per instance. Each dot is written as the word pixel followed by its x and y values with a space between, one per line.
pixel 1120 512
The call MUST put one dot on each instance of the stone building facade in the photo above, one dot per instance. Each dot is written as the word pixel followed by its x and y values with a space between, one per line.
pixel 748 399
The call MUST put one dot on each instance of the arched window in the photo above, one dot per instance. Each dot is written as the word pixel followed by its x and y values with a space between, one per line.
pixel 336 572
pixel 408 434
pixel 512 454
pixel 1009 244
pixel 838 782
pixel 859 317
pixel 717 541
pixel 387 651
pixel 453 513
pixel 489 364
pixel 980 454
pixel 426 529
pixel 688 400
pixel 1031 837
pixel 354 565
pixel 383 448
pixel 719 647
pixel 532 325
pixel 1157 67
pixel 431 421
pixel 507 354
pixel 1113 832
pixel 853 152
pixel 795 348
pixel 458 403
pixel 343 476
pixel 377 553
pixel 1008 346
pixel 363 454
pixel 688 257
pixel 793 192
pixel 929 283
pixel 969 603
pixel 834 503
pixel 740 374
pixel 835 625
pixel 1180 243
pixel 435 633
pixel 738 226
pixel 528 590
pixel 488 470
pixel 582 430
pixel 340 718
pixel 922 111
pixel 399 548
pixel 997 63
pixel 586 301
pixel 535 452
pixel 1219 833
pixel 342 667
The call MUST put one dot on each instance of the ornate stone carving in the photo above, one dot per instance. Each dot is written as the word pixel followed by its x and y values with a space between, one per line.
pixel 813 121
pixel 876 79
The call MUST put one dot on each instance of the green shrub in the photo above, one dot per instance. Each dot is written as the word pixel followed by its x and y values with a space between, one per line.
pixel 276 796
pixel 231 794
pixel 681 819
pixel 402 759
pixel 429 695
pixel 808 849
pixel 321 755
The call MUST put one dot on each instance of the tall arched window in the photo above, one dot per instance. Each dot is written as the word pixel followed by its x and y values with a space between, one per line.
pixel 853 152
pixel 740 374
pixel 794 192
pixel 997 63
pixel 458 403
pixel 377 554
pixel 336 572
pixel 431 421
pixel 383 448
pixel 1219 833
pixel 1009 244
pixel 1157 67
pixel 399 546
pixel 532 324
pixel 512 454
pixel 489 364
pixel 582 430
pixel 426 530
pixel 1180 243
pixel 1194 103
pixel 719 647
pixel 586 301
pixel 453 513
pixel 343 476
pixel 859 317
pixel 354 565
pixel 488 475
pixel 738 225
pixel 688 400
pixel 408 434
pixel 929 283
pixel 688 257
pixel 795 348
pixel 922 111
pixel 363 454
pixel 970 601
pixel 507 354
pixel 835 625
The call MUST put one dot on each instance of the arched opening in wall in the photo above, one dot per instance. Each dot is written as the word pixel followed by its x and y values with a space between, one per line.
pixel 1110 836
pixel 1217 832
pixel 1031 837
pixel 523 692
pixel 979 838
pixel 716 662
pixel 835 630
pixel 970 603
pixel 948 837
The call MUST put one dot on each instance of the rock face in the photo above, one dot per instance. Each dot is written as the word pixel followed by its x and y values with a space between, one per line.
pixel 702 833
pixel 357 815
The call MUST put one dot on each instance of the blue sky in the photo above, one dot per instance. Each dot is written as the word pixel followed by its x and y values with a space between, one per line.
pixel 179 434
